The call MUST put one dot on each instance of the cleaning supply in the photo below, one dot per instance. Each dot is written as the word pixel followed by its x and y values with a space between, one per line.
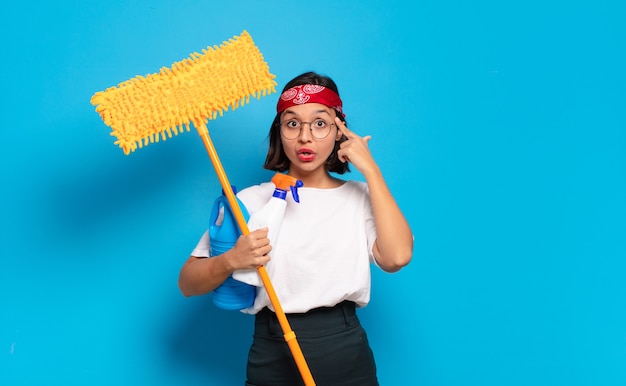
pixel 271 216
pixel 223 234
pixel 146 109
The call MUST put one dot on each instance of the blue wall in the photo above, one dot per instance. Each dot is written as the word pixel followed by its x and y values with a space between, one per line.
pixel 501 129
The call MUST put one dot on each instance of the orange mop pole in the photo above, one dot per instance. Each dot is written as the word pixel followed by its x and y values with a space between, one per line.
pixel 290 336
pixel 147 109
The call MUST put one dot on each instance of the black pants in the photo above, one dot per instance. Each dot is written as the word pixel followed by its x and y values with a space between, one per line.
pixel 333 343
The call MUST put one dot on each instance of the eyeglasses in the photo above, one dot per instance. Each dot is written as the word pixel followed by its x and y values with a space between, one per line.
pixel 291 128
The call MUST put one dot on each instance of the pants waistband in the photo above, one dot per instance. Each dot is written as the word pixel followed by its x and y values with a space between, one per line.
pixel 314 323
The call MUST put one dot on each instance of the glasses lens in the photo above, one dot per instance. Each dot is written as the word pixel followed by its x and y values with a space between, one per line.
pixel 290 129
pixel 320 128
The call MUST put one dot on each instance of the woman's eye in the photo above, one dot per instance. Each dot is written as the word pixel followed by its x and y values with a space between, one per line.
pixel 293 124
pixel 320 123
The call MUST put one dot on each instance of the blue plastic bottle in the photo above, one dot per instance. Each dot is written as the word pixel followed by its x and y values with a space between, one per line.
pixel 224 232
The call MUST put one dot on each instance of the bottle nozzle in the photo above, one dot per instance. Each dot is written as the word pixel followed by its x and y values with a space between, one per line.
pixel 284 182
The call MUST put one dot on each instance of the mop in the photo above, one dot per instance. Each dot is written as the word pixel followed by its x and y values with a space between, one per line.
pixel 147 109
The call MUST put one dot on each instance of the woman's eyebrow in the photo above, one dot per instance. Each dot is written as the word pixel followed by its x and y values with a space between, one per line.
pixel 314 112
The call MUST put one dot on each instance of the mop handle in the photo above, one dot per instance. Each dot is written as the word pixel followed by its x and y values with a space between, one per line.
pixel 290 336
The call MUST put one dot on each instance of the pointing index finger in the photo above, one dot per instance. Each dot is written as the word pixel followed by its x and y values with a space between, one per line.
pixel 342 127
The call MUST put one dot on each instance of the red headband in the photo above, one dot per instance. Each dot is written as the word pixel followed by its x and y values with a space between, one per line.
pixel 309 93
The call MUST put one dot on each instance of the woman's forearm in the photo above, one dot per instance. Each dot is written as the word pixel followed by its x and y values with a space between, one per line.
pixel 199 276
pixel 394 244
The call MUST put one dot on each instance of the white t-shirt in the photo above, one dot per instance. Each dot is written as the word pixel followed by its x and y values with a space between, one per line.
pixel 323 252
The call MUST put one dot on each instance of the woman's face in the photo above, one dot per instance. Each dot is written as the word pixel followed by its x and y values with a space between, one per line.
pixel 306 152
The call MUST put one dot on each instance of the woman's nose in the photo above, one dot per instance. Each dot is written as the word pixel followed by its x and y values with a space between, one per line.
pixel 305 132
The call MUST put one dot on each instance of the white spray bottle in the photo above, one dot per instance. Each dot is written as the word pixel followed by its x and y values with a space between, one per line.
pixel 270 216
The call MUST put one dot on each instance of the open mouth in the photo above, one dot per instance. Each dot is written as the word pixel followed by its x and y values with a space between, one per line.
pixel 306 154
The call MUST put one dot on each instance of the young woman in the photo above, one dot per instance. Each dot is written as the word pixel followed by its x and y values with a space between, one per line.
pixel 325 247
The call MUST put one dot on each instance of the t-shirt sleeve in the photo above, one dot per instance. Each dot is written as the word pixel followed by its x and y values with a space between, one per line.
pixel 203 248
pixel 370 225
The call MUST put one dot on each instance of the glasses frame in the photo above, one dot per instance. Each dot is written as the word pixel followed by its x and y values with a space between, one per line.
pixel 301 124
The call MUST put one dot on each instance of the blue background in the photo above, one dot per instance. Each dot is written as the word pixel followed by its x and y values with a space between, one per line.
pixel 500 127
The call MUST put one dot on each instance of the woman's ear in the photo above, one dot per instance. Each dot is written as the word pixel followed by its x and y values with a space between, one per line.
pixel 339 133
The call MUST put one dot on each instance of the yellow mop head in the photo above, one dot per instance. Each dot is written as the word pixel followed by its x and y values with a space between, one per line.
pixel 146 109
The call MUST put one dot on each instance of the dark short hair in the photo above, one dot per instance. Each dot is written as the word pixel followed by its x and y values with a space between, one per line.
pixel 276 158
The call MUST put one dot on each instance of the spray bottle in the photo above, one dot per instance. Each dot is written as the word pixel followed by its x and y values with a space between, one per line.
pixel 270 216
pixel 224 232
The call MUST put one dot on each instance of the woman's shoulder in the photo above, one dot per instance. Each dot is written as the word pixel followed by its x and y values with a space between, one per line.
pixel 356 186
pixel 255 196
pixel 257 189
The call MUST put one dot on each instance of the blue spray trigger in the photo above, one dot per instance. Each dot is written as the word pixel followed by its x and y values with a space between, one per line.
pixel 294 190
